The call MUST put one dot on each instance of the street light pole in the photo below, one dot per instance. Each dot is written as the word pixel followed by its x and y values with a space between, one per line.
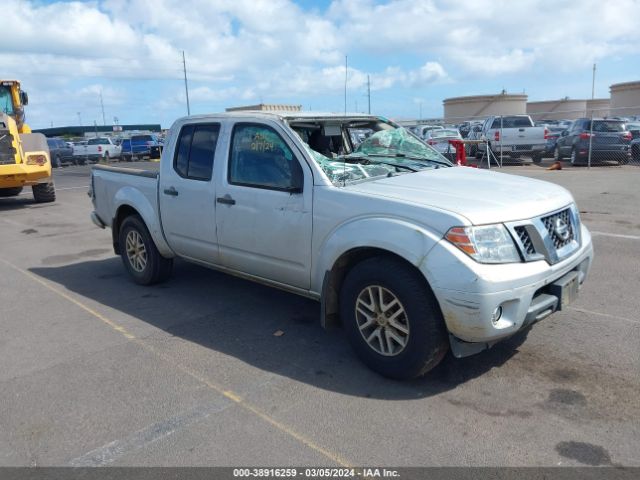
pixel 186 87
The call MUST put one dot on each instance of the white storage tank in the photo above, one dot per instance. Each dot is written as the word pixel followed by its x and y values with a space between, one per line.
pixel 599 106
pixel 459 109
pixel 625 99
pixel 562 109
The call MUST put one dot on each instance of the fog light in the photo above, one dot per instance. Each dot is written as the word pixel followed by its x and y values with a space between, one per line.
pixel 496 315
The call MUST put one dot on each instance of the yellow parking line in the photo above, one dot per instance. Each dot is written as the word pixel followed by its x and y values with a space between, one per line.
pixel 231 395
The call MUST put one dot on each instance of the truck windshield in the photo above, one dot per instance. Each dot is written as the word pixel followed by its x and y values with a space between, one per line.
pixel 6 104
pixel 385 153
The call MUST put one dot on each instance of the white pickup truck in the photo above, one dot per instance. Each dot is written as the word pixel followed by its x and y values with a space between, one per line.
pixel 513 136
pixel 98 148
pixel 410 254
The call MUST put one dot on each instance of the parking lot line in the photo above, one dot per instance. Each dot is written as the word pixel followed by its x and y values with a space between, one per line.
pixel 231 395
pixel 582 310
pixel 615 235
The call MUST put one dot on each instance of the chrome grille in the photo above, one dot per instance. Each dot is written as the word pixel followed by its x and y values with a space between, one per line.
pixel 560 228
pixel 527 245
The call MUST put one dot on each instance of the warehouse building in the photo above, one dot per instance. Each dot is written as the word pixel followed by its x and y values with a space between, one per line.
pixel 625 99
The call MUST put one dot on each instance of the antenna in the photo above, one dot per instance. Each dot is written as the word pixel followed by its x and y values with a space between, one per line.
pixel 186 86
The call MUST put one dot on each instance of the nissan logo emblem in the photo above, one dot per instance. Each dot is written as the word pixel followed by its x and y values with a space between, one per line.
pixel 561 228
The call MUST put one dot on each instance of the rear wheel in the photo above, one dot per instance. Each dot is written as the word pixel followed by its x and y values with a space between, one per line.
pixel 10 192
pixel 44 192
pixel 537 158
pixel 140 254
pixel 107 156
pixel 392 319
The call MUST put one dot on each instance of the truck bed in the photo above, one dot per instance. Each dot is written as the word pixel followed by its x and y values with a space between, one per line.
pixel 109 184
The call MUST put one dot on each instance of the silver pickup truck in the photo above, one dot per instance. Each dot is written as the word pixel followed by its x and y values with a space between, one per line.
pixel 410 254
pixel 513 136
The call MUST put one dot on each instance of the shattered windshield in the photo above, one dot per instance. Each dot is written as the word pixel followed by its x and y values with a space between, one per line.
pixel 357 149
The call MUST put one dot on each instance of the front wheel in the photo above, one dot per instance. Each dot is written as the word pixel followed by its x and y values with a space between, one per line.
pixel 56 161
pixel 140 254
pixel 574 157
pixel 557 156
pixel 44 192
pixel 537 158
pixel 392 319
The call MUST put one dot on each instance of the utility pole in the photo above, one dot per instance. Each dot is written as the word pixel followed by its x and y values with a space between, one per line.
pixel 593 82
pixel 79 119
pixel 104 121
pixel 369 92
pixel 186 87
pixel 346 71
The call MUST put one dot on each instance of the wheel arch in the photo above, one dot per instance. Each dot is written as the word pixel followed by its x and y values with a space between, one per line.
pixel 125 210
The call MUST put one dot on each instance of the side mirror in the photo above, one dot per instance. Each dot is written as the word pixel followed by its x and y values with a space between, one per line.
pixel 24 98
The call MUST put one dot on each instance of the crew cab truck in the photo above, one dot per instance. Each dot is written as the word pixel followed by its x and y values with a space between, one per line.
pixel 513 136
pixel 410 254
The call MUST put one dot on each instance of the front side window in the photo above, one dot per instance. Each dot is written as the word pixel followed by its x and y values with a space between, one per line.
pixel 196 150
pixel 6 102
pixel 260 158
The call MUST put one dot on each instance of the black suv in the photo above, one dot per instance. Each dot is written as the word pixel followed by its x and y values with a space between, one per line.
pixel 60 152
pixel 608 139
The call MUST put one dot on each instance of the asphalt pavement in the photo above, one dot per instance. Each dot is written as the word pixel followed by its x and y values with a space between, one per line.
pixel 99 371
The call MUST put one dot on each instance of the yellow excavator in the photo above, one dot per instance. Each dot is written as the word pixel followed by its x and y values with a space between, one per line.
pixel 24 156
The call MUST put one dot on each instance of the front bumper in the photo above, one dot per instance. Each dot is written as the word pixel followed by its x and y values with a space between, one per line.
pixel 469 292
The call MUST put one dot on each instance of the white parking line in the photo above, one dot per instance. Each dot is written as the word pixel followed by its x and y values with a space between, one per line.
pixel 591 312
pixel 616 235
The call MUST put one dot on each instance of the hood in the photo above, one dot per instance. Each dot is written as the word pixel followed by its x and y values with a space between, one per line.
pixel 482 196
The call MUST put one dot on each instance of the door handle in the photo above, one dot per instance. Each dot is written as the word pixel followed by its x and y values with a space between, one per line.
pixel 171 191
pixel 227 200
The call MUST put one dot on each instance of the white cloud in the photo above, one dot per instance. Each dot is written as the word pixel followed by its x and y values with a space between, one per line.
pixel 243 50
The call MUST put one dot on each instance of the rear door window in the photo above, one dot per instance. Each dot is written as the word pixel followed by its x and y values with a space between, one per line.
pixel 512 122
pixel 196 150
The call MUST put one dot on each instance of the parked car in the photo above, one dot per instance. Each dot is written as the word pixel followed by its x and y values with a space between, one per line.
pixel 513 136
pixel 635 150
pixel 552 135
pixel 421 130
pixel 59 151
pixel 410 254
pixel 139 146
pixel 439 139
pixel 634 129
pixel 609 140
pixel 98 148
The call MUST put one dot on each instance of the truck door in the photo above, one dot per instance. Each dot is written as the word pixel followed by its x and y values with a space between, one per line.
pixel 187 193
pixel 264 206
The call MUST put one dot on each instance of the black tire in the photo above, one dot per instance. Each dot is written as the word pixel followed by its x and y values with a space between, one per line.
pixel 44 192
pixel 623 161
pixel 10 192
pixel 557 156
pixel 427 339
pixel 635 153
pixel 106 157
pixel 574 158
pixel 82 162
pixel 537 158
pixel 56 162
pixel 157 268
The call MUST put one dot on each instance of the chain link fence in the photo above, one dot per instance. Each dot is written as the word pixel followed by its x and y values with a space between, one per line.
pixel 581 138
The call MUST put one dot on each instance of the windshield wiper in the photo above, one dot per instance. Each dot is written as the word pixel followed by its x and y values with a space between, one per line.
pixel 365 160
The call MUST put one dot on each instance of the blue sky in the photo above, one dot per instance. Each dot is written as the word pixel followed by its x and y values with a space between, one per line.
pixel 240 52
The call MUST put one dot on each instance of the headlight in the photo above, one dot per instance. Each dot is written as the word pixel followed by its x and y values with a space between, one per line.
pixel 36 159
pixel 485 244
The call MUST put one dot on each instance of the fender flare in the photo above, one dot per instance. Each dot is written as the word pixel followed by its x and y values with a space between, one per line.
pixel 134 199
